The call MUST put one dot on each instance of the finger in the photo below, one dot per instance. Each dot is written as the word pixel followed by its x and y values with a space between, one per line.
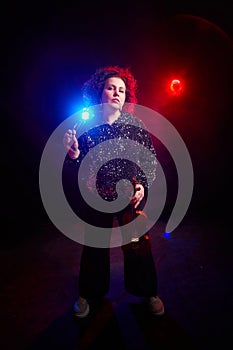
pixel 135 200
pixel 139 188
pixel 69 136
pixel 71 132
pixel 137 203
pixel 74 146
pixel 138 200
pixel 70 141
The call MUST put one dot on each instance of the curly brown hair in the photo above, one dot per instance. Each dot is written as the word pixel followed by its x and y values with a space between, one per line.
pixel 93 88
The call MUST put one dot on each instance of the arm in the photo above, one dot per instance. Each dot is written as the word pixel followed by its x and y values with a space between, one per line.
pixel 147 162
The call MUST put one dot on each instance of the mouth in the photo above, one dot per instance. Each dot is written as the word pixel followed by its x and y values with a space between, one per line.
pixel 115 100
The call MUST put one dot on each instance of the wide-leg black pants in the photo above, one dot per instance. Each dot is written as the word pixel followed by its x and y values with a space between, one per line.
pixel 140 277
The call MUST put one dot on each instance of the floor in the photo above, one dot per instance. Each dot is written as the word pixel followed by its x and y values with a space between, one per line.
pixel 39 279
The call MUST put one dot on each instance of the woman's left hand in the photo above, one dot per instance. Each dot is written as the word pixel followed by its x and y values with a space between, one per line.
pixel 138 195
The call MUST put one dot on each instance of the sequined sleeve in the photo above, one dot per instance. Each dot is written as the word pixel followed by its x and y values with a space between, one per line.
pixel 146 172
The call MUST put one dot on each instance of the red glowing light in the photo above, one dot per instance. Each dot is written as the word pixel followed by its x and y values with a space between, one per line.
pixel 175 87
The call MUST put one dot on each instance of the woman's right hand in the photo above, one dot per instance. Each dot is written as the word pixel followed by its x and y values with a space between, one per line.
pixel 71 143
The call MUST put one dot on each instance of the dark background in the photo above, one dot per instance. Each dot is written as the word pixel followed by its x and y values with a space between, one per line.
pixel 48 50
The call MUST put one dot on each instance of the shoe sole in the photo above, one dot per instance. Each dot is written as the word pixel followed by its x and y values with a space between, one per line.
pixel 82 315
pixel 158 313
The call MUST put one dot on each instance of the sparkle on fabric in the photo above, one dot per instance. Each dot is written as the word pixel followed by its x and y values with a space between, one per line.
pixel 125 127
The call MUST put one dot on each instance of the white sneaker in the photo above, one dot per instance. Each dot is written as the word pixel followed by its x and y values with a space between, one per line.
pixel 81 308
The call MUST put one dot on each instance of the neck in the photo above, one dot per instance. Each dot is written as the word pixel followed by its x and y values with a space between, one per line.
pixel 111 117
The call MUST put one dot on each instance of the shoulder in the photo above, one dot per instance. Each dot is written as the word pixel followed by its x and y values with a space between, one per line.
pixel 128 118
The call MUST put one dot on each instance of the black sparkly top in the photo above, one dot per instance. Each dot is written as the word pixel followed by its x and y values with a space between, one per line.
pixel 121 151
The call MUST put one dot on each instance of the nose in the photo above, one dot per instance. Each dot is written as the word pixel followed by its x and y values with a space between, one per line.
pixel 116 92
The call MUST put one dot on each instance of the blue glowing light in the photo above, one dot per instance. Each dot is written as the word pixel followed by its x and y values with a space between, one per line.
pixel 167 235
pixel 85 114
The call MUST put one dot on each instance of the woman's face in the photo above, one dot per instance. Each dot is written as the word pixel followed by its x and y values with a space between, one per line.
pixel 114 92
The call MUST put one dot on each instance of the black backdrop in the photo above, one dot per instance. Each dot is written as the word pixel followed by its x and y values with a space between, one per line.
pixel 49 50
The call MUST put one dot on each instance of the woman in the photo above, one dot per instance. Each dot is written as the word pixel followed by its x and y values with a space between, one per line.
pixel 113 89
